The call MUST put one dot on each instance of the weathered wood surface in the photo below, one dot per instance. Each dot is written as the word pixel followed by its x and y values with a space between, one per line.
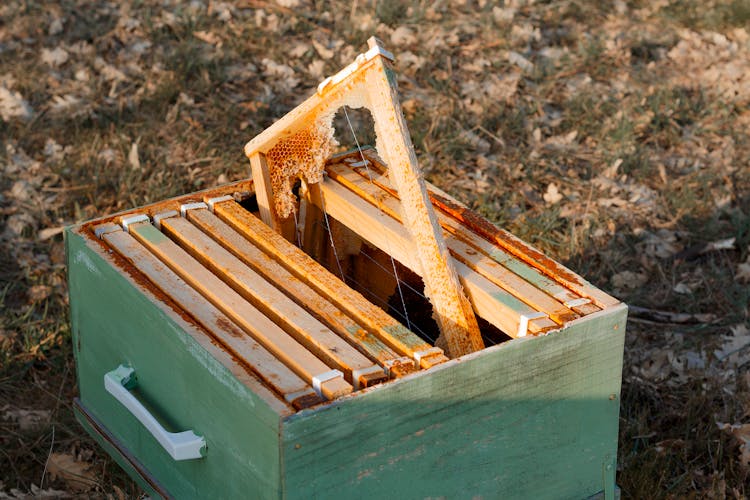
pixel 459 330
pixel 382 231
pixel 264 197
pixel 271 370
pixel 534 417
pixel 527 253
pixel 311 223
pixel 374 319
pixel 476 260
pixel 260 327
pixel 374 172
pixel 183 375
pixel 282 310
pixel 300 292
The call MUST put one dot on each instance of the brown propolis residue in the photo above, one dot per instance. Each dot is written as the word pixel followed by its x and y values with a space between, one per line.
pixel 306 401
pixel 229 327
pixel 488 231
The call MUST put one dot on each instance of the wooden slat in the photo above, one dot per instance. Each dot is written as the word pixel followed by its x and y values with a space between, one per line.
pixel 311 218
pixel 264 197
pixel 459 330
pixel 450 209
pixel 491 302
pixel 459 249
pixel 300 292
pixel 286 313
pixel 260 327
pixel 374 319
pixel 269 369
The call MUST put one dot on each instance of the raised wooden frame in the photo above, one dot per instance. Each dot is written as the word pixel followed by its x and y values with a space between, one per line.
pixel 371 82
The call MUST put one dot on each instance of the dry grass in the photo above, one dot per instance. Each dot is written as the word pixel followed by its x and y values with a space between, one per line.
pixel 613 135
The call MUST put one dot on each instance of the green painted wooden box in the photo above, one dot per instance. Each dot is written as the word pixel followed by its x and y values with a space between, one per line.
pixel 533 417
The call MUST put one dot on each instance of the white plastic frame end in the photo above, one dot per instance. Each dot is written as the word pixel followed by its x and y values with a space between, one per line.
pixel 164 215
pixel 318 380
pixel 523 323
pixel 133 219
pixel 191 206
pixel 212 201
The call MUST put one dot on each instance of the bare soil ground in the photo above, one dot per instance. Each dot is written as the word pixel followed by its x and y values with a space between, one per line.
pixel 612 135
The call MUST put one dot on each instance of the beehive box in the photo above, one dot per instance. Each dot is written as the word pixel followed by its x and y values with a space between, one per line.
pixel 217 358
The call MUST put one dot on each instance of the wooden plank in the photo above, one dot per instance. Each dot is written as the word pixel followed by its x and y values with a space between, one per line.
pixel 458 327
pixel 264 197
pixel 459 249
pixel 247 317
pixel 311 224
pixel 300 292
pixel 374 319
pixel 295 320
pixel 491 302
pixel 271 370
pixel 529 263
pixel 531 418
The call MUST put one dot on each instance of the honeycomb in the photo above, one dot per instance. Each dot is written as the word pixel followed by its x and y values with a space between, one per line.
pixel 304 153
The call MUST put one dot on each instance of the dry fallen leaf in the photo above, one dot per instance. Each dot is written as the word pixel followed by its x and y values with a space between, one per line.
pixel 520 61
pixel 743 271
pixel 79 476
pixel 552 195
pixel 403 36
pixel 13 105
pixel 39 292
pixel 628 279
pixel 736 348
pixel 682 288
pixel 135 162
pixel 208 37
pixel 49 232
pixel 55 57
pixel 27 420
pixel 742 433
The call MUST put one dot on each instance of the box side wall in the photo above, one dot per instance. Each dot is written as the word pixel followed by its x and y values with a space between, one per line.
pixel 532 418
pixel 117 321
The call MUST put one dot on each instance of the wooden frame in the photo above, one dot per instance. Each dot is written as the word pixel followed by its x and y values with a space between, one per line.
pixel 371 82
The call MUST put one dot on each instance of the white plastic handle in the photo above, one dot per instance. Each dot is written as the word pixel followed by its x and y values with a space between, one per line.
pixel 180 445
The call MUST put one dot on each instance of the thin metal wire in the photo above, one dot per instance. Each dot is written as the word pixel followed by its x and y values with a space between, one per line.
pixel 405 283
pixel 384 304
pixel 330 237
pixel 393 262
pixel 389 272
